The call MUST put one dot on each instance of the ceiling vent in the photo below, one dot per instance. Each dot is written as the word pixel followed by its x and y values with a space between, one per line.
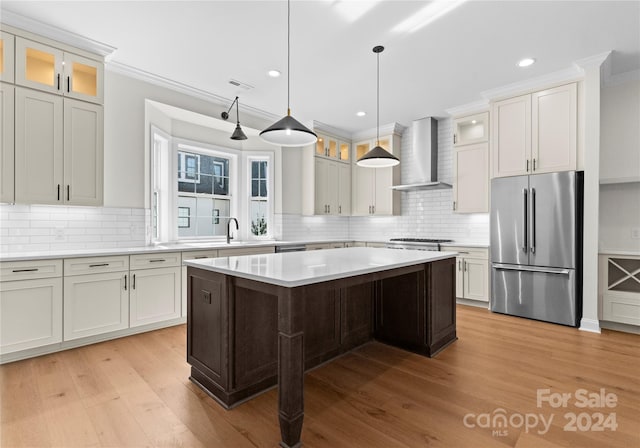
pixel 242 85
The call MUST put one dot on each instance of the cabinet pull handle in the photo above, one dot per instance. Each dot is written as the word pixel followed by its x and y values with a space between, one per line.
pixel 201 256
pixel 454 205
pixel 98 265
pixel 125 282
pixel 464 265
pixel 58 88
pixel 373 207
pixel 527 165
pixel 459 265
pixel 133 282
pixel 68 83
pixel 454 139
pixel 68 192
pixel 340 209
pixel 58 192
pixel 156 260
pixel 329 208
pixel 26 270
pixel 534 164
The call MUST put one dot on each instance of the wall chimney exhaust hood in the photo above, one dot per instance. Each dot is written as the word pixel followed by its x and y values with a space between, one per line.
pixel 423 157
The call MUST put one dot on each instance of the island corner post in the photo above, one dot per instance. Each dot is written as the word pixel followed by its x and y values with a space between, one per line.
pixel 245 336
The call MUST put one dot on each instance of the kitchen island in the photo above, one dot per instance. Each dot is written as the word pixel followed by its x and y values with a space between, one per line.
pixel 259 320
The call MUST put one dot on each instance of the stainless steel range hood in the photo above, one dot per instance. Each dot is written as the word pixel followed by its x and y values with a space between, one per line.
pixel 423 157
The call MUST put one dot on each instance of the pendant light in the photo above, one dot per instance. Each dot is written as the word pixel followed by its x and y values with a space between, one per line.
pixel 288 131
pixel 238 134
pixel 378 157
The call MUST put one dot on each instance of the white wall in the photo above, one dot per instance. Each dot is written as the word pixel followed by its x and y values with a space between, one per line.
pixel 124 129
pixel 620 158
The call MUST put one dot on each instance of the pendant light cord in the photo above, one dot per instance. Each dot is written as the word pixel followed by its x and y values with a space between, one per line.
pixel 237 111
pixel 378 104
pixel 288 56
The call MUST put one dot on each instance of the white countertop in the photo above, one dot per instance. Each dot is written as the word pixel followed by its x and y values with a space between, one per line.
pixel 630 253
pixel 304 268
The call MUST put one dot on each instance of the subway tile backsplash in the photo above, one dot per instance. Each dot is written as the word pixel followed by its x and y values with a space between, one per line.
pixel 27 228
pixel 425 213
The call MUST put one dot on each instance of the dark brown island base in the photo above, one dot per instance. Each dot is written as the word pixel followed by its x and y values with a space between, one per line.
pixel 261 320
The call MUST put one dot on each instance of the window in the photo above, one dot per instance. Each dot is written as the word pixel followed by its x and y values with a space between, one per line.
pixel 260 185
pixel 197 187
pixel 203 179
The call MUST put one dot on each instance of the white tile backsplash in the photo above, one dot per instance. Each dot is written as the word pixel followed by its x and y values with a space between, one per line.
pixel 26 228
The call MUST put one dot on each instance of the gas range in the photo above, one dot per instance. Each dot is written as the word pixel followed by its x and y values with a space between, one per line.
pixel 417 243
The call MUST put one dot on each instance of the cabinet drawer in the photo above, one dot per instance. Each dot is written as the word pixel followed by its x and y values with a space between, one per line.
pixel 467 252
pixel 148 261
pixel 196 254
pixel 95 265
pixel 246 251
pixel 26 270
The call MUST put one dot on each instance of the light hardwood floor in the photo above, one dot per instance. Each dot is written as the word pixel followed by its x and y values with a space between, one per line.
pixel 135 392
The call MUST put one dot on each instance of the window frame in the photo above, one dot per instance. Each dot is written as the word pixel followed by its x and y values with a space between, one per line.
pixel 258 156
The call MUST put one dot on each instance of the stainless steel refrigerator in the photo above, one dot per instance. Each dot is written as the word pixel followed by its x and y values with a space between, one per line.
pixel 536 246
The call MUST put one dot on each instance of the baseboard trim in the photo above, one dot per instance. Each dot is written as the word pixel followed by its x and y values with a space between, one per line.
pixel 590 325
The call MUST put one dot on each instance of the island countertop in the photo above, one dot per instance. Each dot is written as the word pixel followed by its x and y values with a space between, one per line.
pixel 305 268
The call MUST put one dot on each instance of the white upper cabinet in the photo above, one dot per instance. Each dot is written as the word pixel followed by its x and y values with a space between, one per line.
pixel 7 42
pixel 554 129
pixel 7 153
pixel 471 129
pixel 535 133
pixel 511 135
pixel 471 178
pixel 332 148
pixel 56 164
pixel 39 147
pixel 43 67
pixel 371 187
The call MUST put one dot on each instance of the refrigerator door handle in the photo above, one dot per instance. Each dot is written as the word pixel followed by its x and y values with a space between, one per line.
pixel 509 267
pixel 533 220
pixel 526 206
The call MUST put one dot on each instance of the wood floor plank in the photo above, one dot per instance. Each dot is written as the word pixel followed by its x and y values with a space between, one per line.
pixel 135 392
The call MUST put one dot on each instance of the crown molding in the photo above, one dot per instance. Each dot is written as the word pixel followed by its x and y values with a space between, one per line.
pixel 592 61
pixel 55 33
pixel 387 129
pixel 570 74
pixel 136 73
pixel 469 108
pixel 324 128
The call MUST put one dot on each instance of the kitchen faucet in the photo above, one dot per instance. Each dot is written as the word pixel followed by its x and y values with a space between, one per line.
pixel 229 237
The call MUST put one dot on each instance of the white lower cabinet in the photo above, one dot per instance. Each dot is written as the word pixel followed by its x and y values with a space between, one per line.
pixel 96 296
pixel 472 273
pixel 30 307
pixel 155 295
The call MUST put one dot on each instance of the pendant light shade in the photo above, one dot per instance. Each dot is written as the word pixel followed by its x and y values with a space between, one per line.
pixel 238 133
pixel 288 131
pixel 378 157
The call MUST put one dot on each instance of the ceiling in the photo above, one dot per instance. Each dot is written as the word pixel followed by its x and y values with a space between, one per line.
pixel 444 64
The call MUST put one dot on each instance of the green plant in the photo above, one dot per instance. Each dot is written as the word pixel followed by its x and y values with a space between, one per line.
pixel 259 227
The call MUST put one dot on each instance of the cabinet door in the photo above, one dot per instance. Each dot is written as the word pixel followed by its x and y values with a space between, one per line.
pixel 7 147
pixel 38 66
pixel 361 183
pixel 154 296
pixel 344 189
pixel 383 180
pixel 7 43
pixel 471 129
pixel 332 188
pixel 511 152
pixel 30 314
pixel 321 146
pixel 476 279
pixel 83 153
pixel 39 153
pixel 344 151
pixel 95 304
pixel 554 129
pixel 471 179
pixel 321 185
pixel 84 78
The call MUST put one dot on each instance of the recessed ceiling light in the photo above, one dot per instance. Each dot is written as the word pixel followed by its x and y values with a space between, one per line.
pixel 273 73
pixel 361 113
pixel 473 121
pixel 526 62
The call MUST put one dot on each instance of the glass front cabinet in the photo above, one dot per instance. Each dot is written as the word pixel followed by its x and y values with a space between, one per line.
pixel 42 67
pixel 6 56
pixel 332 148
